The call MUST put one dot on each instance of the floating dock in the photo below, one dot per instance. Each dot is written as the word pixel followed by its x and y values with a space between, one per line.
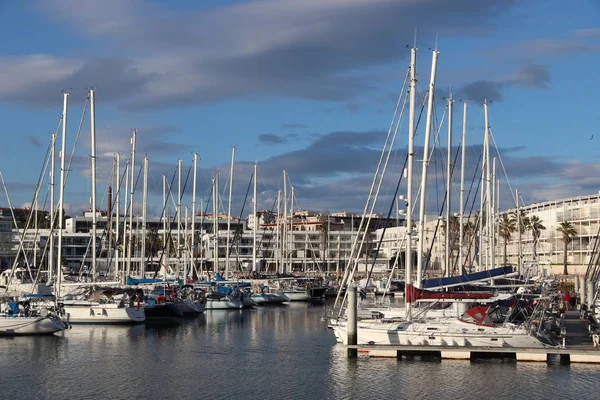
pixel 578 348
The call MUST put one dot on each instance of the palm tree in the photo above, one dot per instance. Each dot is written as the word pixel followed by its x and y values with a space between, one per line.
pixel 525 221
pixel 507 227
pixel 536 227
pixel 568 232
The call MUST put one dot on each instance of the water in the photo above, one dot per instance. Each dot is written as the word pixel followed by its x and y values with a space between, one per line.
pixel 268 353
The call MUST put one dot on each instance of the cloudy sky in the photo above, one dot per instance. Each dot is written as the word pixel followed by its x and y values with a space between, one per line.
pixel 309 86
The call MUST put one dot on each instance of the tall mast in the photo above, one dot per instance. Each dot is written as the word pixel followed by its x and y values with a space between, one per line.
pixel 131 193
pixel 61 193
pixel 520 255
pixel 488 190
pixel 278 234
pixel 218 199
pixel 449 187
pixel 201 245
pixel 166 207
pixel 185 240
pixel 462 185
pixel 193 242
pixel 118 240
pixel 409 189
pixel 144 218
pixel 481 210
pixel 179 164
pixel 422 202
pixel 255 222
pixel 493 214
pixel 52 217
pixel 125 237
pixel 229 211
pixel 93 157
pixel 285 215
pixel 291 233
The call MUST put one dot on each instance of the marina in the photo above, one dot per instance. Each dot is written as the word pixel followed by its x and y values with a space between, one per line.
pixel 273 199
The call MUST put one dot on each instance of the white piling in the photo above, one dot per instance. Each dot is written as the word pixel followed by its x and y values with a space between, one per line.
pixel 352 321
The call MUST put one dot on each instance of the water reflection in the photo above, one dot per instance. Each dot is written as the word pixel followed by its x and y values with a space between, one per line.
pixel 282 352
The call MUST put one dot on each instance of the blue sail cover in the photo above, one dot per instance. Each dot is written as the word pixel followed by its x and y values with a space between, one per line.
pixel 140 281
pixel 466 278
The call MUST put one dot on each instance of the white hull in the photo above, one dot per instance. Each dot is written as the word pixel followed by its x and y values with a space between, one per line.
pixel 448 332
pixel 15 326
pixel 270 298
pixel 103 314
pixel 223 304
pixel 305 295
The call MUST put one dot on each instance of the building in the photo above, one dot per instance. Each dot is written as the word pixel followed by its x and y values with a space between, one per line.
pixel 583 212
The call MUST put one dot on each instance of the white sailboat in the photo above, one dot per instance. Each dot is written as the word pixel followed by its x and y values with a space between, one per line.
pixel 91 304
pixel 18 317
pixel 474 327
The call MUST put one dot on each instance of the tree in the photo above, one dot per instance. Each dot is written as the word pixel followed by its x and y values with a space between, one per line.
pixel 536 227
pixel 524 219
pixel 507 227
pixel 568 232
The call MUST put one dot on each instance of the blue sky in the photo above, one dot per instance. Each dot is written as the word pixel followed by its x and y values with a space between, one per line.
pixel 309 86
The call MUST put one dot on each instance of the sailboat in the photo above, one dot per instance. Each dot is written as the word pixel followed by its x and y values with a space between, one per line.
pixel 475 326
pixel 91 303
pixel 20 316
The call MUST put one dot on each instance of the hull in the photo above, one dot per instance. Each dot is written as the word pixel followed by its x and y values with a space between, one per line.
pixel 312 294
pixel 163 314
pixel 248 302
pixel 23 326
pixel 188 307
pixel 223 304
pixel 270 298
pixel 438 333
pixel 103 314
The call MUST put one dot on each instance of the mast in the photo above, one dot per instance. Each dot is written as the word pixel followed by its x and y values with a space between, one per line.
pixel 185 236
pixel 52 217
pixel 118 240
pixel 131 193
pixel 93 157
pixel 218 197
pixel 124 241
pixel 493 214
pixel 291 233
pixel 201 246
pixel 179 163
pixel 422 202
pixel 254 269
pixel 284 232
pixel 144 218
pixel 488 190
pixel 519 222
pixel 409 181
pixel 481 210
pixel 449 186
pixel 193 242
pixel 278 239
pixel 215 224
pixel 61 194
pixel 229 211
pixel 462 184
pixel 166 207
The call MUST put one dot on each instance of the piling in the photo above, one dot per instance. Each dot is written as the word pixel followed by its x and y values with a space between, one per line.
pixel 352 322
pixel 589 295
pixel 582 301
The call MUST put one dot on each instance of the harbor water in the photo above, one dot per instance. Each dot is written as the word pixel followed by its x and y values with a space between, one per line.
pixel 283 352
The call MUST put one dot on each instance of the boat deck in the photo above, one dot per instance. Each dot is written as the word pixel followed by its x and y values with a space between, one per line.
pixel 578 348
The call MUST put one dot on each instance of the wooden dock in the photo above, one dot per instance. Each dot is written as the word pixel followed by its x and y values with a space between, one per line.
pixel 578 349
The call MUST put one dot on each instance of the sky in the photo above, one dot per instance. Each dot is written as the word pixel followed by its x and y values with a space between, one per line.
pixel 308 86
